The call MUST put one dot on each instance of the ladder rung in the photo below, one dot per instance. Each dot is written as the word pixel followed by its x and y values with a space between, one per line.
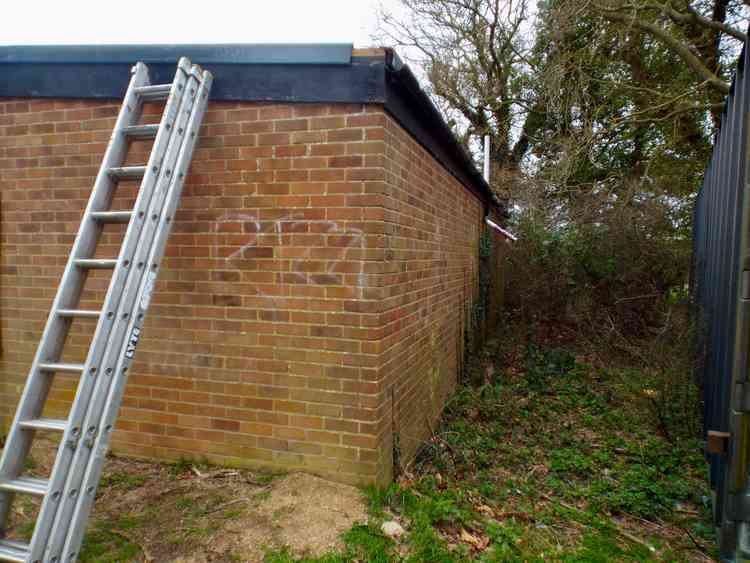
pixel 147 131
pixel 30 485
pixel 45 424
pixel 97 263
pixel 80 313
pixel 52 366
pixel 13 551
pixel 155 92
pixel 127 172
pixel 61 520
pixel 112 216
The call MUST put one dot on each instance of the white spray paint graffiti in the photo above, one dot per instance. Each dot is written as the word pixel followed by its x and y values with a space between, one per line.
pixel 263 228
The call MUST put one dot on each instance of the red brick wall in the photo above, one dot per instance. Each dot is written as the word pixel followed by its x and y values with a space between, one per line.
pixel 317 276
pixel 431 265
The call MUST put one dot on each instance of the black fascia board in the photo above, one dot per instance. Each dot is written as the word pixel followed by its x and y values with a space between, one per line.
pixel 249 72
pixel 358 82
pixel 273 73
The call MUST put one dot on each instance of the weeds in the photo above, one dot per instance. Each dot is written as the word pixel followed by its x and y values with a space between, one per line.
pixel 121 479
pixel 544 364
pixel 556 463
pixel 108 546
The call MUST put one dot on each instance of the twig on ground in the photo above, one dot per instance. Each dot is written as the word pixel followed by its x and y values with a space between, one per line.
pixel 648 296
pixel 561 503
pixel 687 511
pixel 651 523
pixel 636 539
pixel 222 474
pixel 228 504
pixel 257 483
pixel 520 515
pixel 697 545
pixel 172 490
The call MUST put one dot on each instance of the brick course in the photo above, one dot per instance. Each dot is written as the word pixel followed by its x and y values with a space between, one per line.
pixel 311 309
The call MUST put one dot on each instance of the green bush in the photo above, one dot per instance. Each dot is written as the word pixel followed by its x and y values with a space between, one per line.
pixel 612 269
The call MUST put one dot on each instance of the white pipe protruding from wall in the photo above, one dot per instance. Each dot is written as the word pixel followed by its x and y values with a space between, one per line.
pixel 490 222
pixel 499 229
pixel 487 158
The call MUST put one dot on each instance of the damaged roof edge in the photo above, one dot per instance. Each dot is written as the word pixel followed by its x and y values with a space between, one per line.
pixel 287 73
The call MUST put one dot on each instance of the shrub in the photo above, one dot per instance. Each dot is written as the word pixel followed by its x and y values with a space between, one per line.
pixel 597 269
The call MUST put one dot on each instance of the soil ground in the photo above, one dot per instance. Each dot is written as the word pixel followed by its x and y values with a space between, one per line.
pixel 193 513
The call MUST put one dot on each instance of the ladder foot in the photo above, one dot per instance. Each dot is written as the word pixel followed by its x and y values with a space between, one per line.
pixel 13 551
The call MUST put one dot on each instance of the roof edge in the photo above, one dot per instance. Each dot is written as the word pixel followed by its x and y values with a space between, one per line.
pixel 404 98
pixel 282 73
pixel 222 53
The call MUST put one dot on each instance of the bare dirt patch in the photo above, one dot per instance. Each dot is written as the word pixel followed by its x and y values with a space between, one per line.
pixel 193 513
pixel 303 512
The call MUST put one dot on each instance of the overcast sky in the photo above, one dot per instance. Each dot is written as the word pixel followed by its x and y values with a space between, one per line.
pixel 27 22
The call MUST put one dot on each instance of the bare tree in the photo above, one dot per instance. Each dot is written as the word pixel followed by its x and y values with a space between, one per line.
pixel 477 55
pixel 579 96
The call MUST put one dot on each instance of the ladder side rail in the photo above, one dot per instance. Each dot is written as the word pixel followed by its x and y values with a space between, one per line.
pixel 141 274
pixel 108 320
pixel 92 475
pixel 38 383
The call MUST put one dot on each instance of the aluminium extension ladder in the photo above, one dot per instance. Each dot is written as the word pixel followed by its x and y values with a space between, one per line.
pixel 68 494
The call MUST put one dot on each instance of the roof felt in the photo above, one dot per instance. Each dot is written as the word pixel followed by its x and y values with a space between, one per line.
pixel 230 53
pixel 332 73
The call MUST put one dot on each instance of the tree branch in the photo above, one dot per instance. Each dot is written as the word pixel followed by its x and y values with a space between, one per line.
pixel 693 16
pixel 671 43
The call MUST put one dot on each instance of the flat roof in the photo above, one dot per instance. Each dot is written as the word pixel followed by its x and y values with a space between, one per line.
pixel 288 73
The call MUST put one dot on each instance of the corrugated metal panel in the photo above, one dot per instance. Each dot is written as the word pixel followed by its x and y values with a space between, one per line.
pixel 722 304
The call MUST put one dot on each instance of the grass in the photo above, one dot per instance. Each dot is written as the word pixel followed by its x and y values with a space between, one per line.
pixel 122 480
pixel 108 546
pixel 187 518
pixel 115 539
pixel 549 456
pixel 555 460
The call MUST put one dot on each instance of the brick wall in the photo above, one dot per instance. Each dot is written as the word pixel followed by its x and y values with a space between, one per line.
pixel 315 289
pixel 431 265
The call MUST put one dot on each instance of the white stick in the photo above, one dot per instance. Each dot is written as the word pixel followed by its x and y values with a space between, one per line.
pixel 487 158
pixel 499 229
